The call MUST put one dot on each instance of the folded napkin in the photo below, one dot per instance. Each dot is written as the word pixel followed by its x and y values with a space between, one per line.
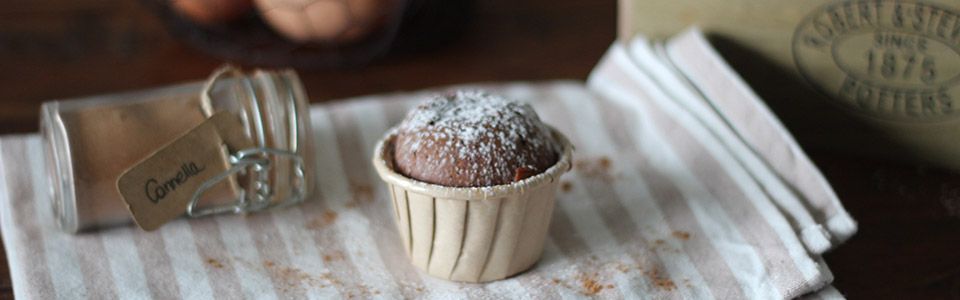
pixel 683 187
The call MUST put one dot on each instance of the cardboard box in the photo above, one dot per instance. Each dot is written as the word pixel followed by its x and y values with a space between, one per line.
pixel 875 77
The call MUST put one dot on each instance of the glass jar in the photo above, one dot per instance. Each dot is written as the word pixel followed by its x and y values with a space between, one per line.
pixel 90 142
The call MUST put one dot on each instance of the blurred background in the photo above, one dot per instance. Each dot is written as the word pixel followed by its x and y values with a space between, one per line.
pixel 56 49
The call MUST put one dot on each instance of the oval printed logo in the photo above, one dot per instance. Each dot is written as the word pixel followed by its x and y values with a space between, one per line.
pixel 894 60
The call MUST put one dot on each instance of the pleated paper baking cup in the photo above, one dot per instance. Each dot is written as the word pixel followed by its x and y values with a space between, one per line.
pixel 473 234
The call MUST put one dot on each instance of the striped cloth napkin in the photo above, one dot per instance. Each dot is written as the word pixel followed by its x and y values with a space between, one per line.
pixel 671 196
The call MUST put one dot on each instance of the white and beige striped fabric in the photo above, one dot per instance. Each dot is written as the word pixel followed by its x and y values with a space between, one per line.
pixel 669 198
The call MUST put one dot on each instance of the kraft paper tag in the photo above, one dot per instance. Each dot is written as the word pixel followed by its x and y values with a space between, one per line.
pixel 231 129
pixel 160 187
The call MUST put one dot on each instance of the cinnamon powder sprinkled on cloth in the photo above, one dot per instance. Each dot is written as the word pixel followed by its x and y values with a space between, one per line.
pixel 604 163
pixel 659 280
pixel 595 281
pixel 664 284
pixel 215 263
pixel 332 256
pixel 566 186
pixel 590 286
pixel 328 217
pixel 292 278
pixel 683 235
pixel 362 194
pixel 599 168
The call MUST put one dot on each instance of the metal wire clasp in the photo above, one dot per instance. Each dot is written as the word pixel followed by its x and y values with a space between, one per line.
pixel 258 164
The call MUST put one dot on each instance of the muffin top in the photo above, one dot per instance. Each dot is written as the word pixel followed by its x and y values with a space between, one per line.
pixel 473 139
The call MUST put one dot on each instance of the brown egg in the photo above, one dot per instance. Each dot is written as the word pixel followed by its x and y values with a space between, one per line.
pixel 212 12
pixel 324 20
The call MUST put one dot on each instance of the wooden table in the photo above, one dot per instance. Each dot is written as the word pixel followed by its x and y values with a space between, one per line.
pixel 907 247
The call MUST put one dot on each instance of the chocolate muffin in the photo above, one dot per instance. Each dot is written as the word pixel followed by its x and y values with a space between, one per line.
pixel 473 139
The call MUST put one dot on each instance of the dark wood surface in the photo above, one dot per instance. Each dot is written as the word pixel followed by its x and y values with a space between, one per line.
pixel 908 245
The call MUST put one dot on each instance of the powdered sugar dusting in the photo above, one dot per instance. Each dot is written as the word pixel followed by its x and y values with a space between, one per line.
pixel 473 138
